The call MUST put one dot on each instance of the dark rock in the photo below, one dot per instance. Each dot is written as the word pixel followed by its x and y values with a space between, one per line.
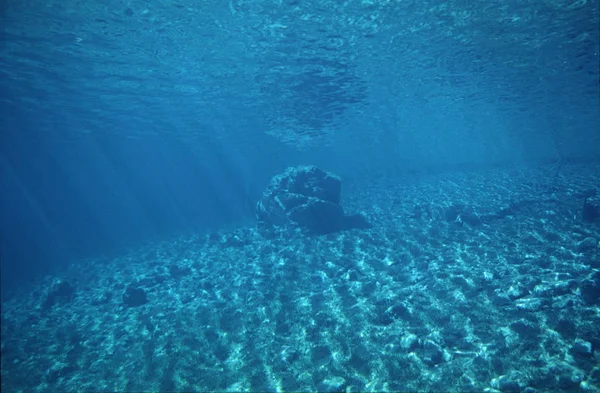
pixel 401 311
pixel 318 216
pixel 569 378
pixel 589 193
pixel 507 385
pixel 531 240
pixel 334 384
pixel 591 211
pixel 472 219
pixel 58 371
pixel 594 376
pixel 582 348
pixel 560 377
pixel 525 329
pixel 418 212
pixel 517 291
pixel 383 317
pixel 531 304
pixel 60 292
pixel 588 244
pixel 409 342
pixel 564 287
pixel 178 271
pixel 432 353
pixel 501 299
pixel 590 289
pixel 321 354
pixel 159 278
pixel 452 213
pixel 352 275
pixel 305 197
pixel 462 214
pixel 134 297
pixel 234 241
pixel 565 326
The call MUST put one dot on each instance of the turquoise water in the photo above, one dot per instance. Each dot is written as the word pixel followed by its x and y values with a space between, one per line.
pixel 145 144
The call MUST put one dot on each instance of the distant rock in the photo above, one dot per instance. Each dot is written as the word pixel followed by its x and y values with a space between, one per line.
pixel 179 271
pixel 582 348
pixel 306 197
pixel 59 370
pixel 134 297
pixel 590 289
pixel 409 342
pixel 588 244
pixel 508 383
pixel 60 292
pixel 526 329
pixel 516 291
pixel 432 353
pixel 332 385
pixel 591 210
pixel 461 214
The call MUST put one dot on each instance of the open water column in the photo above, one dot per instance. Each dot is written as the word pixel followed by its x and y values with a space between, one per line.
pixel 299 196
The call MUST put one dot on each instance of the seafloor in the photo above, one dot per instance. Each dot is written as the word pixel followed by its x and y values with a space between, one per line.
pixel 471 281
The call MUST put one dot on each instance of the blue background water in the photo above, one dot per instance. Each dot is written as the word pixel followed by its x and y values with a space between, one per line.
pixel 127 120
pixel 127 123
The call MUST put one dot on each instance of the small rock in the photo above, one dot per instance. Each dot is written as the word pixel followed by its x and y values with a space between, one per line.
pixel 134 297
pixel 471 219
pixel 530 304
pixel 334 384
pixel 432 353
pixel 516 291
pixel 582 348
pixel 586 387
pixel 571 378
pixel 501 299
pixel 561 376
pixel 590 289
pixel 178 271
pixel 452 213
pixel 57 371
pixel 525 329
pixel 531 240
pixel 60 292
pixel 587 244
pixel 591 211
pixel 507 384
pixel 409 342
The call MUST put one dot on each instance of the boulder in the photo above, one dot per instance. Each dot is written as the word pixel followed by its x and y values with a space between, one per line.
pixel 306 197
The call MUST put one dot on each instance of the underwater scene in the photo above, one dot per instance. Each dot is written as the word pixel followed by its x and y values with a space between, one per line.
pixel 300 196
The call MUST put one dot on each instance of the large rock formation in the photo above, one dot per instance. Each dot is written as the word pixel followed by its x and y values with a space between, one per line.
pixel 306 197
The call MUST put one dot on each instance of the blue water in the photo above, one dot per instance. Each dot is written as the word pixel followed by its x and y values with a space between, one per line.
pixel 138 138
